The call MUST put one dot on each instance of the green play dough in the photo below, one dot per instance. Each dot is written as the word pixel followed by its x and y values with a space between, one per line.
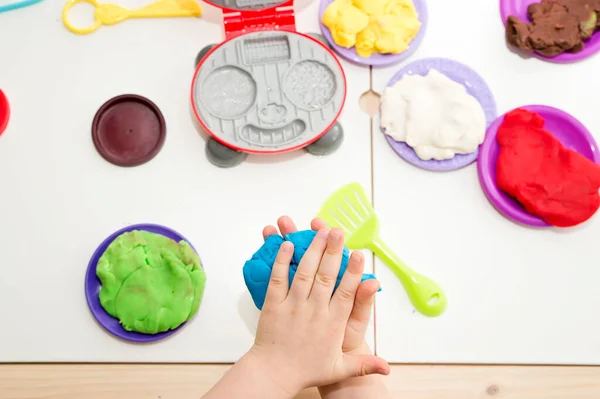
pixel 150 282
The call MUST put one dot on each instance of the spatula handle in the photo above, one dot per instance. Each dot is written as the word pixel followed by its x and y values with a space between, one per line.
pixel 426 296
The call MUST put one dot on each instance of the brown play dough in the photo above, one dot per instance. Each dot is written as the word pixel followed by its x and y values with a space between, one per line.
pixel 586 12
pixel 557 26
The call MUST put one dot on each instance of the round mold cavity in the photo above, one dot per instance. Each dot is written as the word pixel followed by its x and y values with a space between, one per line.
pixel 310 85
pixel 228 92
pixel 93 286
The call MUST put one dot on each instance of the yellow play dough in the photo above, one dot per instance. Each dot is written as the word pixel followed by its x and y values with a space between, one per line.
pixel 345 21
pixel 372 26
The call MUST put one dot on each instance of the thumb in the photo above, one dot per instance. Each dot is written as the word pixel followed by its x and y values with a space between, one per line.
pixel 363 303
pixel 362 365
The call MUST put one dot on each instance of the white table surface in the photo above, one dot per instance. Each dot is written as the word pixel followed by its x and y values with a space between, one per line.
pixel 516 295
pixel 60 199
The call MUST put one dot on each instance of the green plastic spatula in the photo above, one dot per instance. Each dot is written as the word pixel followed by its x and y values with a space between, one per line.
pixel 350 209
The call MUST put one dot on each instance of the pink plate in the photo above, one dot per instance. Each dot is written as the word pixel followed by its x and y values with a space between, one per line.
pixel 518 8
pixel 563 126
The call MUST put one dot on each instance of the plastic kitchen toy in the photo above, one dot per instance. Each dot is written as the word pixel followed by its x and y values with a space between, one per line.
pixel 110 14
pixel 17 4
pixel 267 89
pixel 4 112
pixel 350 209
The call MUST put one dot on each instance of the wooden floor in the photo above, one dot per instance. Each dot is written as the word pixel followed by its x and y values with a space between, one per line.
pixel 191 381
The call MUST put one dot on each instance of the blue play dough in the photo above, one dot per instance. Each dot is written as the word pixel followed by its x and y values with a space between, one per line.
pixel 257 271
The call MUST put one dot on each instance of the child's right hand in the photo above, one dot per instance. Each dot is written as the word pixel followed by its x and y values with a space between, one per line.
pixel 307 336
pixel 358 323
pixel 302 329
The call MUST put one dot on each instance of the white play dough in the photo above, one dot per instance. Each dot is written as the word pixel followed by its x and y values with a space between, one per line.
pixel 434 115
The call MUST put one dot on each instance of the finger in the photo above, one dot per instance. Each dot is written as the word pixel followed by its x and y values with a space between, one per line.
pixel 361 312
pixel 286 225
pixel 345 295
pixel 317 224
pixel 362 365
pixel 363 303
pixel 329 268
pixel 305 274
pixel 269 231
pixel 279 282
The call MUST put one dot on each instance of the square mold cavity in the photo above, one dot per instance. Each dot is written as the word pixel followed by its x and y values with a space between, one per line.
pixel 266 49
pixel 269 91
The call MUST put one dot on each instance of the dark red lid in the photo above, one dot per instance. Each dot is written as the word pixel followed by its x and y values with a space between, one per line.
pixel 129 130
pixel 4 112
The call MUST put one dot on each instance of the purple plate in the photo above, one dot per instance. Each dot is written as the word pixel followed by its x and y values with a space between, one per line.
pixel 377 59
pixel 93 286
pixel 518 8
pixel 563 126
pixel 475 86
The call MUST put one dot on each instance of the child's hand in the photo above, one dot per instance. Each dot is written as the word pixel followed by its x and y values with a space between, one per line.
pixel 301 330
pixel 304 331
pixel 354 337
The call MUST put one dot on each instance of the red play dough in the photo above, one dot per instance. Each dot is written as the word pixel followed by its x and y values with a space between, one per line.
pixel 554 183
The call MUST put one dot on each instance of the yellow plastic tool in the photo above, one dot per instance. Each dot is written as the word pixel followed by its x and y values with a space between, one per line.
pixel 350 209
pixel 110 14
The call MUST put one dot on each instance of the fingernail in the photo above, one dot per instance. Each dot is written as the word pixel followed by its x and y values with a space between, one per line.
pixel 336 234
pixel 323 234
pixel 287 247
pixel 356 256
